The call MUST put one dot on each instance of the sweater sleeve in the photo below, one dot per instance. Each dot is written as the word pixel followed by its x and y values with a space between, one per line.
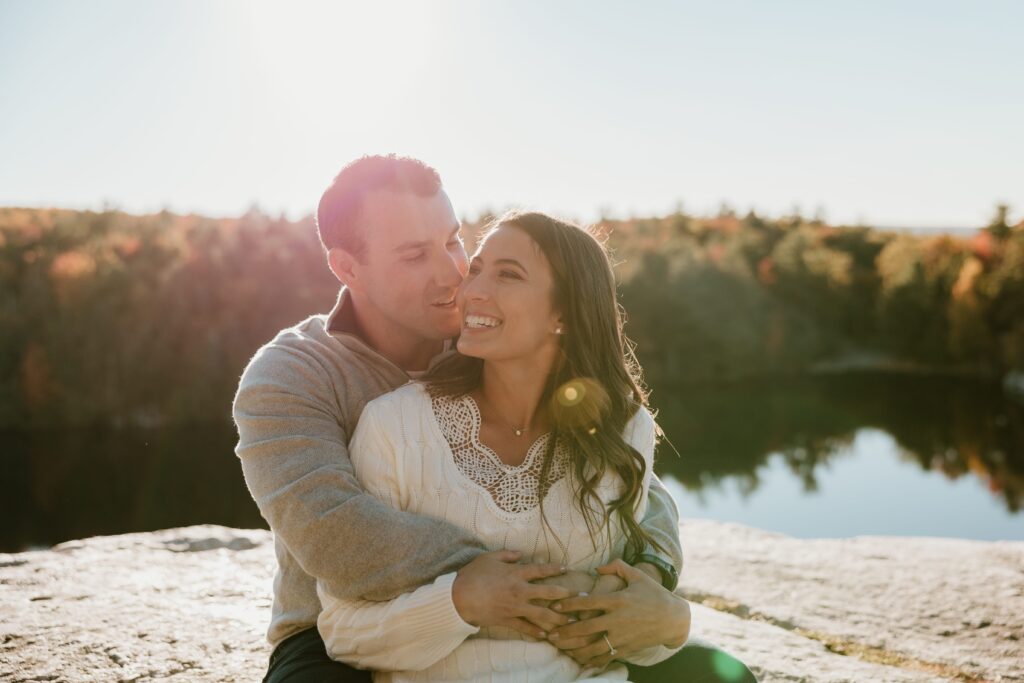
pixel 408 633
pixel 294 457
pixel 641 434
pixel 412 631
pixel 661 518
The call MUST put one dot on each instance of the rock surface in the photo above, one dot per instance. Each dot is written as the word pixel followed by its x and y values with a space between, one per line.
pixel 192 604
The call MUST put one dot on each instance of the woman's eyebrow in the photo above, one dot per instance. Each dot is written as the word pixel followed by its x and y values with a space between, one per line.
pixel 512 262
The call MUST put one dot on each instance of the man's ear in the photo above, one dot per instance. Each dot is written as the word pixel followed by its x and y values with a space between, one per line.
pixel 342 264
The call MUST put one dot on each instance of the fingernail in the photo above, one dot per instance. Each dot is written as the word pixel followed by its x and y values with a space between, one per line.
pixel 583 594
pixel 557 607
pixel 562 568
pixel 543 634
pixel 554 636
pixel 572 620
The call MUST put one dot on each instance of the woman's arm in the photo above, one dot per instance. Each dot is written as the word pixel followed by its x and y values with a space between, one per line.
pixel 413 630
pixel 410 632
pixel 643 622
pixel 417 629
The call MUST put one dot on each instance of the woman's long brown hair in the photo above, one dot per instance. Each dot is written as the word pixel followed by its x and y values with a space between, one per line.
pixel 595 386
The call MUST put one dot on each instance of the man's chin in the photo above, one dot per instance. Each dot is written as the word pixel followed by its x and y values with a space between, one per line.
pixel 449 332
pixel 448 329
pixel 441 332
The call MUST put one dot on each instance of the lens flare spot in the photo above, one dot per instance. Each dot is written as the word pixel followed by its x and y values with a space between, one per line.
pixel 729 668
pixel 572 393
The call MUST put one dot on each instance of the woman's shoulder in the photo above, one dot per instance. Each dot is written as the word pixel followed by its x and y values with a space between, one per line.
pixel 411 396
pixel 641 430
pixel 642 419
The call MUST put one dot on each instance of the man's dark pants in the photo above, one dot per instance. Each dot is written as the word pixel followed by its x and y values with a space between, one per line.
pixel 302 658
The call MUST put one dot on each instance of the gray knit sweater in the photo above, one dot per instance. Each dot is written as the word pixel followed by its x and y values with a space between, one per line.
pixel 297 405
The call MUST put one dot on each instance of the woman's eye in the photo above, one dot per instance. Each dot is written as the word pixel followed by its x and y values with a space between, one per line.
pixel 511 274
pixel 414 258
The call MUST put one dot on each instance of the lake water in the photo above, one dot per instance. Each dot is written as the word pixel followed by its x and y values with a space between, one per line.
pixel 869 489
pixel 824 457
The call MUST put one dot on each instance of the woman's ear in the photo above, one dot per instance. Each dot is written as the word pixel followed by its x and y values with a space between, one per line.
pixel 342 264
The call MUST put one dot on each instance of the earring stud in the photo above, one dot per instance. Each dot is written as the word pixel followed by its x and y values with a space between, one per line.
pixel 558 330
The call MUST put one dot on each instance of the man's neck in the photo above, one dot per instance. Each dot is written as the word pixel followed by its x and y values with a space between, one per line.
pixel 408 352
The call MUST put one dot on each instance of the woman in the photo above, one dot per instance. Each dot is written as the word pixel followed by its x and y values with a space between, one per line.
pixel 534 435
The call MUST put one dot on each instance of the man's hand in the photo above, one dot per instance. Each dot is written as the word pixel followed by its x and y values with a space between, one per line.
pixel 635 618
pixel 493 590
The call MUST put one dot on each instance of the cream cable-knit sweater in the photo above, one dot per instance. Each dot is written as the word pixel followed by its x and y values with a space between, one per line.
pixel 423 455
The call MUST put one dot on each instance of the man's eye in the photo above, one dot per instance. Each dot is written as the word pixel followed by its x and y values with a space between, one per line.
pixel 414 257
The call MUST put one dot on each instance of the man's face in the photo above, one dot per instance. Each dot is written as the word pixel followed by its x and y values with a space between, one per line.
pixel 412 263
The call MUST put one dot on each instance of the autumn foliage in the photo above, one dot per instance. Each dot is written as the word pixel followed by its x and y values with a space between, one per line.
pixel 112 319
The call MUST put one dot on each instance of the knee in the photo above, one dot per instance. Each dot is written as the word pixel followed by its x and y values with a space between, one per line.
pixel 697 662
pixel 722 667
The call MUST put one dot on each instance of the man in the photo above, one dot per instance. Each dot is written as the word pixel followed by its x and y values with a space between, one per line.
pixel 392 241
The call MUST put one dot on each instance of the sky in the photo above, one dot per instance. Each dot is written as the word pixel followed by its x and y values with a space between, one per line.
pixel 890 113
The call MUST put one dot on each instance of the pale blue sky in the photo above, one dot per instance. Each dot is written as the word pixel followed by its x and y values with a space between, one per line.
pixel 891 113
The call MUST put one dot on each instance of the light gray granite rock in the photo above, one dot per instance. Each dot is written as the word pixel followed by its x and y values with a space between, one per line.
pixel 192 604
pixel 949 608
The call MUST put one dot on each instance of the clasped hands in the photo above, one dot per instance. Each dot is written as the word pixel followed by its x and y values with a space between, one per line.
pixel 573 610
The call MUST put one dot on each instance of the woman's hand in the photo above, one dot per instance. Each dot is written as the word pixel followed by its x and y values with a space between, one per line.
pixel 603 585
pixel 576 582
pixel 640 616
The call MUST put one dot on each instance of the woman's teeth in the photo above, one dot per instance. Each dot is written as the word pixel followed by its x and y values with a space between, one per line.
pixel 478 321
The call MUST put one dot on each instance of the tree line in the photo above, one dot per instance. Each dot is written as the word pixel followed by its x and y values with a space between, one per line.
pixel 108 318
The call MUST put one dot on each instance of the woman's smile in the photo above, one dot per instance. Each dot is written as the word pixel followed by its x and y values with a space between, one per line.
pixel 479 322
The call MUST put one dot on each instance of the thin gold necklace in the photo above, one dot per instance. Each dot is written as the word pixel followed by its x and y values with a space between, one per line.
pixel 519 432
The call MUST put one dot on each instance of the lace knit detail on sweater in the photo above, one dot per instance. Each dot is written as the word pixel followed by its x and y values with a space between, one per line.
pixel 515 489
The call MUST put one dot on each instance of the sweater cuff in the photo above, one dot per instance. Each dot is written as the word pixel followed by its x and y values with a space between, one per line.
pixel 436 613
pixel 431 612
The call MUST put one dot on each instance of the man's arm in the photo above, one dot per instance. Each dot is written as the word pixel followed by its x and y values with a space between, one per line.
pixel 294 457
pixel 661 522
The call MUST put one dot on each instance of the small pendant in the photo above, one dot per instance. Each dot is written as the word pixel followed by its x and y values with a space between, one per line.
pixel 519 432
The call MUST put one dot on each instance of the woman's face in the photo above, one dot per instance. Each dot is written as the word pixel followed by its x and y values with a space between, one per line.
pixel 506 300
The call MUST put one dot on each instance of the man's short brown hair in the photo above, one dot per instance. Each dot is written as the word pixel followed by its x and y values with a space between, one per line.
pixel 337 215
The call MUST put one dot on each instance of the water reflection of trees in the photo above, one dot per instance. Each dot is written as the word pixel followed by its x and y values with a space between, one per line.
pixel 952 426
pixel 75 483
pixel 79 483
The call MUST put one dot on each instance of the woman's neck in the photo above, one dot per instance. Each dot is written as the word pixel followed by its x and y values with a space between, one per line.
pixel 513 390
